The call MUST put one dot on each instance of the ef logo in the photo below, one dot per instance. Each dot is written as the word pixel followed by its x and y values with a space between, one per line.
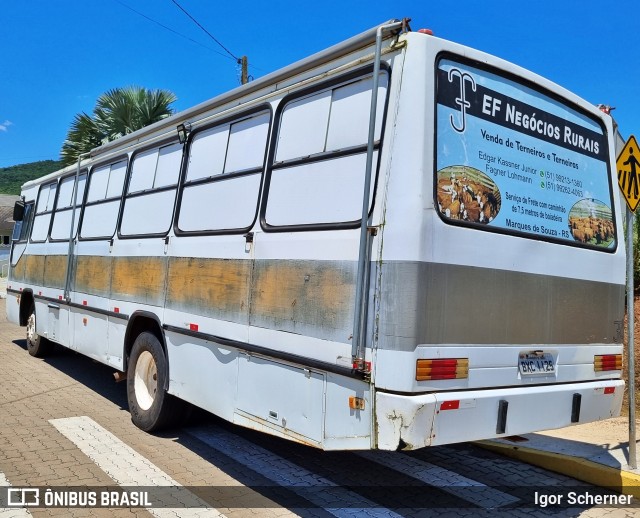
pixel 461 101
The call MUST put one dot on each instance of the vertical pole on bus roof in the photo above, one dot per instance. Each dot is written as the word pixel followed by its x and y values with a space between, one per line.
pixel 633 464
pixel 74 196
pixel 359 319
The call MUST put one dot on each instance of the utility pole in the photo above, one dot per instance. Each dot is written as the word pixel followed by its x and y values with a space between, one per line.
pixel 244 63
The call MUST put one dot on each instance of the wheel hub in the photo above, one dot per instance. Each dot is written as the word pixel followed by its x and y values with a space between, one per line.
pixel 146 380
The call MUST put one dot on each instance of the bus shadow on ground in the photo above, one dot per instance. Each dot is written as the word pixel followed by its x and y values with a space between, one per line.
pixel 90 373
pixel 100 379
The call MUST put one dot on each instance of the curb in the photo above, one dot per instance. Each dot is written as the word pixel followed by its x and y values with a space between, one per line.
pixel 623 482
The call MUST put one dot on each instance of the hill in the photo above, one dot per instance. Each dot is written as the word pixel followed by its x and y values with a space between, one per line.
pixel 12 178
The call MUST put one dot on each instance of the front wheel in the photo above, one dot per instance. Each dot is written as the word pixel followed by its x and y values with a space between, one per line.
pixel 151 407
pixel 37 345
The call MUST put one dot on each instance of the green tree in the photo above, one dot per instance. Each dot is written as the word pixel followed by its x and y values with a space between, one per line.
pixel 118 112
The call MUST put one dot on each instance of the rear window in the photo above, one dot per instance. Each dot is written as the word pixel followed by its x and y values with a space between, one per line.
pixel 514 159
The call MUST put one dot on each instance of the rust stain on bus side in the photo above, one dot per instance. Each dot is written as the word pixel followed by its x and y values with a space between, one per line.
pixel 55 271
pixel 210 287
pixel 93 275
pixel 34 269
pixel 18 272
pixel 309 297
pixel 140 279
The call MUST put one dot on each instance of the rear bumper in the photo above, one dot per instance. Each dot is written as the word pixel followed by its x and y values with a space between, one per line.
pixel 412 422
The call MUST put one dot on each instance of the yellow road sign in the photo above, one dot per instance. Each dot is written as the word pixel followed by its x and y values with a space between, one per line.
pixel 628 166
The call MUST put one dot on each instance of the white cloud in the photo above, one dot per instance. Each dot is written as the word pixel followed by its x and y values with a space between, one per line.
pixel 5 125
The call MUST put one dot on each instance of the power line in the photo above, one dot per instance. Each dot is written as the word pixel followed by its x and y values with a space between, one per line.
pixel 171 30
pixel 242 62
pixel 206 31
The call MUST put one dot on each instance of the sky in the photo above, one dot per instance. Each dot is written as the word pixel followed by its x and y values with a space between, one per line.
pixel 58 56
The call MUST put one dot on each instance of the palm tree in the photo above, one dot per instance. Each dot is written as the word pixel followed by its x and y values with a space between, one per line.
pixel 83 136
pixel 118 112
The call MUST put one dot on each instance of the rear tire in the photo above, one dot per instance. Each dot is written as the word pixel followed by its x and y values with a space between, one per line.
pixel 151 407
pixel 37 345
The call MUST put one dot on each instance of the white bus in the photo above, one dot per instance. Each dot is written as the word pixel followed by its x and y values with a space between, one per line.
pixel 397 242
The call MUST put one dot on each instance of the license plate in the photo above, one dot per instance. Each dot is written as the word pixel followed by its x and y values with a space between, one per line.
pixel 536 364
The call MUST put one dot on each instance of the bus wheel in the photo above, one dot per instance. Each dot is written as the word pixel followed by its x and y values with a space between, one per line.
pixel 150 406
pixel 37 345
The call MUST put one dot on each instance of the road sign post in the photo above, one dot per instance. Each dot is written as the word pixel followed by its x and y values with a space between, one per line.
pixel 633 464
pixel 628 167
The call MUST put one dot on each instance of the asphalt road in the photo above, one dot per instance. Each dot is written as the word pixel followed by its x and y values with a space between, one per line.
pixel 67 441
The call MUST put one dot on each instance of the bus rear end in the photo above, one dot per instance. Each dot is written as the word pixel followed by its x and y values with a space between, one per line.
pixel 500 282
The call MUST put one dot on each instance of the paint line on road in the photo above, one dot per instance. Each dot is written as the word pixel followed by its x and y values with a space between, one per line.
pixel 449 481
pixel 10 512
pixel 331 497
pixel 128 468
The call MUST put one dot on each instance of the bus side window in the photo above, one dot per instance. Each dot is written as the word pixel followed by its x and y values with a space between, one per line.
pixel 150 199
pixel 44 211
pixel 319 166
pixel 61 226
pixel 224 171
pixel 103 201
